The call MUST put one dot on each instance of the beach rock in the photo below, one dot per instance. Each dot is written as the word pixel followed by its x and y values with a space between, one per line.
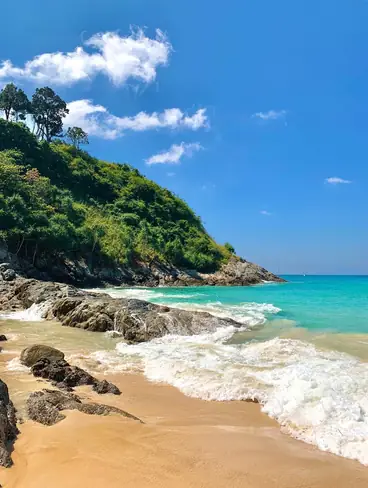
pixel 67 377
pixel 8 425
pixel 3 338
pixel 9 275
pixel 136 320
pixel 45 407
pixel 31 355
pixel 103 387
pixel 21 293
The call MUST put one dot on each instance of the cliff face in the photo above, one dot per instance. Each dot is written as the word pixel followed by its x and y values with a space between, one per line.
pixel 236 272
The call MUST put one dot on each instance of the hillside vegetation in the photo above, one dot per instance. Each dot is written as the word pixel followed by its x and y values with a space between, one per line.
pixel 56 199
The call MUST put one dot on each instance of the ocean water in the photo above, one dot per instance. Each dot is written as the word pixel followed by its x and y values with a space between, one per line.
pixel 302 353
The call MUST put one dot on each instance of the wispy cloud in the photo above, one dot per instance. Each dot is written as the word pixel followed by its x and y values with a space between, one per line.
pixel 335 180
pixel 119 58
pixel 270 115
pixel 170 174
pixel 265 212
pixel 175 153
pixel 97 121
pixel 208 186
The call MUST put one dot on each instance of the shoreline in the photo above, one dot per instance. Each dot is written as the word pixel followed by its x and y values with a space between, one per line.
pixel 184 442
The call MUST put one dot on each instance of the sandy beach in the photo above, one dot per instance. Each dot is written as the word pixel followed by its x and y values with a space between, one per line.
pixel 183 442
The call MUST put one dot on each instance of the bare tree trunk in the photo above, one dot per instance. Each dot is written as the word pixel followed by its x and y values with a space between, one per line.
pixel 20 246
pixel 34 254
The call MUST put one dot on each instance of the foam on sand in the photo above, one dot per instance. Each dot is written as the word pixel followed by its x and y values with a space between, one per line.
pixel 320 397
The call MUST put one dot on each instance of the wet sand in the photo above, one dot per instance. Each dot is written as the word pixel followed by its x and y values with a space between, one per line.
pixel 184 442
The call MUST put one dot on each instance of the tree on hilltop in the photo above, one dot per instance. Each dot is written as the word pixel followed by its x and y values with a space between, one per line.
pixel 77 136
pixel 14 102
pixel 48 111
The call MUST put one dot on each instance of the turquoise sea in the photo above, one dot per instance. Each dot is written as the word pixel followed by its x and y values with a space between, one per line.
pixel 317 303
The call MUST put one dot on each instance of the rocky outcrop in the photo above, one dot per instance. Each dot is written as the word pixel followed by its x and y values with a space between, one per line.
pixel 21 293
pixel 136 320
pixel 65 376
pixel 49 363
pixel 46 406
pixel 31 355
pixel 8 425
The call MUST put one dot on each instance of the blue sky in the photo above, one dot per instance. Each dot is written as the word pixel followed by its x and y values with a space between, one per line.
pixel 258 181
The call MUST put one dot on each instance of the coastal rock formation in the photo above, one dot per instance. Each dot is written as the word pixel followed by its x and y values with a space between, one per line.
pixel 45 407
pixel 49 363
pixel 136 320
pixel 8 427
pixel 31 355
pixel 21 293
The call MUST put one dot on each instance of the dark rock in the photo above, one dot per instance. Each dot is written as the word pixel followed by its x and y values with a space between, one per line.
pixel 3 338
pixel 31 355
pixel 45 407
pixel 8 425
pixel 66 377
pixel 102 387
pixel 4 267
pixel 9 275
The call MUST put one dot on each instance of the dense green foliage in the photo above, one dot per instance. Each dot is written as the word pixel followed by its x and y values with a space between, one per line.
pixel 58 200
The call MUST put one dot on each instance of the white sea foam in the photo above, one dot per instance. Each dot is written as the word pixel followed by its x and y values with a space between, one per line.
pixel 16 366
pixel 35 313
pixel 320 397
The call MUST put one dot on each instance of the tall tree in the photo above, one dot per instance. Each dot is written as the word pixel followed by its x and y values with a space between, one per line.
pixel 14 102
pixel 48 111
pixel 77 136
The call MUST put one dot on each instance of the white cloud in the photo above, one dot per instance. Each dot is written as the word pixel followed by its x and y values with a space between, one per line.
pixel 120 58
pixel 97 121
pixel 334 180
pixel 265 212
pixel 270 115
pixel 171 174
pixel 175 153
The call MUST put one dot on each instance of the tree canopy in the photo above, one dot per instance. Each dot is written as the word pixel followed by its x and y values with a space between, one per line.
pixel 14 102
pixel 48 111
pixel 77 136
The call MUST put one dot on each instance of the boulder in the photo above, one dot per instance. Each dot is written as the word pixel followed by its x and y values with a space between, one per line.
pixel 9 275
pixel 3 338
pixel 66 377
pixel 45 407
pixel 136 320
pixel 31 355
pixel 8 425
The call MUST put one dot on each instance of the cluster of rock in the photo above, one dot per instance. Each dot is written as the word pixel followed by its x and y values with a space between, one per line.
pixel 49 363
pixel 135 320
pixel 45 406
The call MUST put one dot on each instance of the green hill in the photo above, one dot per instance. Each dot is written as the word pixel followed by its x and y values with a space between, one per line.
pixel 59 201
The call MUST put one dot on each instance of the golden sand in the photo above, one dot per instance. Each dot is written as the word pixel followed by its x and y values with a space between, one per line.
pixel 183 443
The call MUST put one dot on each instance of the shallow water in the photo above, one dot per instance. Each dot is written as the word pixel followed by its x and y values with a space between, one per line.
pixel 302 354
